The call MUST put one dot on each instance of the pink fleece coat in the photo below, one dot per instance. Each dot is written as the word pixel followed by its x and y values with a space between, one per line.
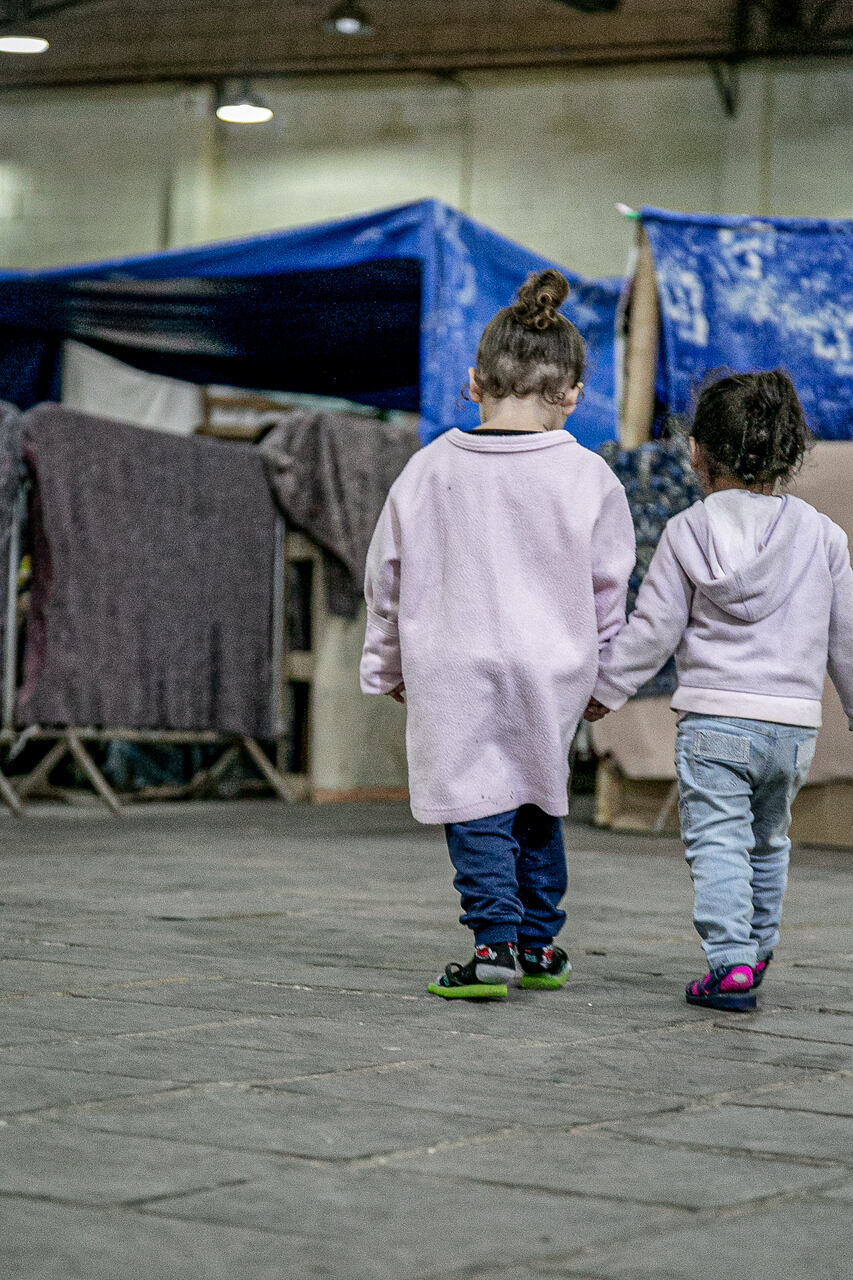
pixel 498 569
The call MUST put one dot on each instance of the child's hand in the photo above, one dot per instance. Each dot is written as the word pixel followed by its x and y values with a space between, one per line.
pixel 398 693
pixel 595 711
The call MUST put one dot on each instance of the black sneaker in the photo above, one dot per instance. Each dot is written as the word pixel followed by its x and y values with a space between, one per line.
pixel 484 977
pixel 544 968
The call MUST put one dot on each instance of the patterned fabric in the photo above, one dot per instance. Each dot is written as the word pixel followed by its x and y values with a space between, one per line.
pixel 659 482
pixel 753 293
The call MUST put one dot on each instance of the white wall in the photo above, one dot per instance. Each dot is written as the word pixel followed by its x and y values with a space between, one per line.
pixel 83 176
pixel 542 158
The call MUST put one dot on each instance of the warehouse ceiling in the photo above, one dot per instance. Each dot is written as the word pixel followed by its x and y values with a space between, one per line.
pixel 108 42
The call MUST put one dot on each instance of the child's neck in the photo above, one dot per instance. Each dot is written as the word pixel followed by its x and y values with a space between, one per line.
pixel 731 482
pixel 521 413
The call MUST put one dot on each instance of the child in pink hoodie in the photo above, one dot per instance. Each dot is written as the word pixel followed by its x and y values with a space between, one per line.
pixel 498 568
pixel 753 592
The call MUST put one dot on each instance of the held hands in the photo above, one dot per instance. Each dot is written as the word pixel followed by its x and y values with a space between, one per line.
pixel 595 710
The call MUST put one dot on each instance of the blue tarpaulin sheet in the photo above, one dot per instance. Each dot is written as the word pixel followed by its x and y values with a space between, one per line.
pixel 748 293
pixel 384 309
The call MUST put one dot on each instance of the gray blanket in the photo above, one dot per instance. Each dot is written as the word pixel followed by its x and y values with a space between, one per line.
pixel 330 474
pixel 10 468
pixel 152 595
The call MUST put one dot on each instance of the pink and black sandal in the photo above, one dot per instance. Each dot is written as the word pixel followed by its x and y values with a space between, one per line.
pixel 731 987
pixel 760 970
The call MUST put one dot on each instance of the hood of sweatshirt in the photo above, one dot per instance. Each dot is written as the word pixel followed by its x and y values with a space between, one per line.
pixel 744 557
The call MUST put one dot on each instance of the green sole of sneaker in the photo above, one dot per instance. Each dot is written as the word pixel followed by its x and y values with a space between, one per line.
pixel 478 991
pixel 546 981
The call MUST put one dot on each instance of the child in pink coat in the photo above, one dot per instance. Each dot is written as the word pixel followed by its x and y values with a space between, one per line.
pixel 498 569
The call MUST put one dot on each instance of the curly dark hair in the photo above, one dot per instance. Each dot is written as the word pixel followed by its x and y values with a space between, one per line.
pixel 529 348
pixel 752 426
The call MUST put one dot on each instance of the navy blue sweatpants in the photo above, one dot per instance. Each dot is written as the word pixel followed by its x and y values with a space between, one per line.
pixel 511 875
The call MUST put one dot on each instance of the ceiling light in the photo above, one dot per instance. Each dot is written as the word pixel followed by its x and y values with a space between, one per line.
pixel 23 44
pixel 242 106
pixel 348 20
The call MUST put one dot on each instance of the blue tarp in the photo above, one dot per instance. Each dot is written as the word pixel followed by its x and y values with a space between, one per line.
pixel 385 309
pixel 756 293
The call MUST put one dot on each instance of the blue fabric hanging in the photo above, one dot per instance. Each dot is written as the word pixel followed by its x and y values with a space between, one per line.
pixel 384 309
pixel 755 293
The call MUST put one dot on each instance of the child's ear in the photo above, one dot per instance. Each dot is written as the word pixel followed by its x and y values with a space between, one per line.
pixel 473 389
pixel 694 452
pixel 569 399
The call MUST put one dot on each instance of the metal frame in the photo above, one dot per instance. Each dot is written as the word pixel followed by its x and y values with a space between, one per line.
pixel 789 36
pixel 726 77
pixel 73 742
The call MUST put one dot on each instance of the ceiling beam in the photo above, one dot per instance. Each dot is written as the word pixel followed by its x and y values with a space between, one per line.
pixel 402 65
pixel 18 14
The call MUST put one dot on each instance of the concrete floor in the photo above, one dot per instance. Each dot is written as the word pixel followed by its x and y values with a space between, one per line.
pixel 219 1059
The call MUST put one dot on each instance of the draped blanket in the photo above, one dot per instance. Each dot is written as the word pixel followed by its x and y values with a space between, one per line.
pixel 330 474
pixel 10 469
pixel 153 580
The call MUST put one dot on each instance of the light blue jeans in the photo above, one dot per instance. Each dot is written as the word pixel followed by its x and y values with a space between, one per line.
pixel 736 781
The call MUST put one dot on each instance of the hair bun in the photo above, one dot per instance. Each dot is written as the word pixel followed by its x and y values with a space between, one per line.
pixel 539 298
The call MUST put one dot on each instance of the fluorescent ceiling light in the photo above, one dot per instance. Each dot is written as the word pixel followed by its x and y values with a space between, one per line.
pixel 23 44
pixel 242 107
pixel 244 113
pixel 348 19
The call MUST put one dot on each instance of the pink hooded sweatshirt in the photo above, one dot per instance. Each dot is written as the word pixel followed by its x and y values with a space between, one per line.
pixel 498 568
pixel 754 595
